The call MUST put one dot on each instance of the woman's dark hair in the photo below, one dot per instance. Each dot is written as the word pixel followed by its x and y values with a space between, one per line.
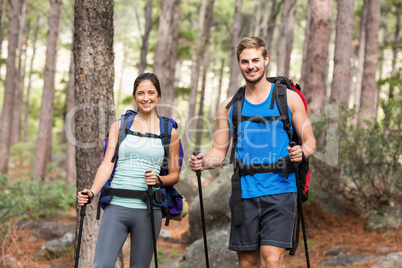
pixel 150 77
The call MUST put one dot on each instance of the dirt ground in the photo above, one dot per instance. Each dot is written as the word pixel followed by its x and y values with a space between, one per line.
pixel 324 232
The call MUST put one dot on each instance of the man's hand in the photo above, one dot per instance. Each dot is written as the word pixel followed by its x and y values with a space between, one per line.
pixel 197 162
pixel 295 153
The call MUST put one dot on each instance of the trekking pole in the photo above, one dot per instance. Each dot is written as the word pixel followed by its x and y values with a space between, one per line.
pixel 204 232
pixel 300 208
pixel 151 195
pixel 82 215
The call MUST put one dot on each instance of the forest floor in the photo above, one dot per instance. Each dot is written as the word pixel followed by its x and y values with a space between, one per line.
pixel 324 232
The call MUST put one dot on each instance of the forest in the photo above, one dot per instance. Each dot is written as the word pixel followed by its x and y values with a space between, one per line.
pixel 67 70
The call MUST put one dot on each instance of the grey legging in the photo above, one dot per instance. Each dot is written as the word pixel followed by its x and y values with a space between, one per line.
pixel 116 223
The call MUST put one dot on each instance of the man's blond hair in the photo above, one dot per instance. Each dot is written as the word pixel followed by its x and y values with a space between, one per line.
pixel 251 42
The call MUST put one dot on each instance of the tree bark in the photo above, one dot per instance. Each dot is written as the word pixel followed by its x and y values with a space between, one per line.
pixel 234 80
pixel 6 115
pixel 286 37
pixel 343 52
pixel 315 62
pixel 367 103
pixel 360 60
pixel 94 111
pixel 26 110
pixel 205 64
pixel 145 37
pixel 395 48
pixel 166 54
pixel 44 140
pixel 1 24
pixel 195 73
pixel 71 172
pixel 19 79
pixel 269 35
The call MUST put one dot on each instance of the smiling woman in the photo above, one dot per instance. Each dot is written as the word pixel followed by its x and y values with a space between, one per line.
pixel 138 168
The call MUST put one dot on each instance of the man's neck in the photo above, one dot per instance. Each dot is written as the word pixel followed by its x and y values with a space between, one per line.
pixel 258 89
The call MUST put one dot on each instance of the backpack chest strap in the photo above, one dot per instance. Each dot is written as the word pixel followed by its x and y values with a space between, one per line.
pixel 283 166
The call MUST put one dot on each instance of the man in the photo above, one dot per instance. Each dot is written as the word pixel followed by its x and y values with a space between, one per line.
pixel 268 200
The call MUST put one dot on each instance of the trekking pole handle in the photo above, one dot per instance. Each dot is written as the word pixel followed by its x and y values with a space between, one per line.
pixel 198 172
pixel 292 144
pixel 84 207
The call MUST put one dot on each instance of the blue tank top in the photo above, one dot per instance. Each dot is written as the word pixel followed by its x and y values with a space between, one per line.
pixel 259 143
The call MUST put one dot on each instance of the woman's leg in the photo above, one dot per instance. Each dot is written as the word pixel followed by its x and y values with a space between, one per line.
pixel 112 235
pixel 141 237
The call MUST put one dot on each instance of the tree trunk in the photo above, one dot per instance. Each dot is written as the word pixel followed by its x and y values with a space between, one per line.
pixel 44 140
pixel 144 47
pixel 234 80
pixel 26 111
pixel 343 52
pixel 360 60
pixel 71 172
pixel 1 24
pixel 315 62
pixel 19 79
pixel 94 110
pixel 220 84
pixel 286 37
pixel 395 48
pixel 6 115
pixel 166 54
pixel 370 61
pixel 269 37
pixel 195 73
pixel 205 64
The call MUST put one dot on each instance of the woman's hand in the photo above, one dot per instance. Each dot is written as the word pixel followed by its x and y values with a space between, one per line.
pixel 151 178
pixel 84 196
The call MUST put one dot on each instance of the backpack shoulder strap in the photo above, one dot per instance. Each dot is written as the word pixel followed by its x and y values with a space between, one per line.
pixel 281 100
pixel 126 123
pixel 166 130
pixel 237 102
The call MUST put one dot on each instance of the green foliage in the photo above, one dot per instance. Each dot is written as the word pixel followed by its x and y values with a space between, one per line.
pixel 182 91
pixel 369 171
pixel 24 198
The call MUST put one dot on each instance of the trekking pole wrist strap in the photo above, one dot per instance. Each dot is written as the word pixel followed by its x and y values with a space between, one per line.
pixel 160 183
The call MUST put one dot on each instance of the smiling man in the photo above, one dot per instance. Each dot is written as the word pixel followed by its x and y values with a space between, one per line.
pixel 263 203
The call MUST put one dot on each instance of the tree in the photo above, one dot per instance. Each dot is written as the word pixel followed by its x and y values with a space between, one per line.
pixel 234 68
pixel 360 59
pixel 71 173
pixel 269 30
pixel 93 89
pixel 166 54
pixel 315 58
pixel 395 47
pixel 145 37
pixel 44 139
pixel 286 36
pixel 343 52
pixel 19 79
pixel 31 64
pixel 205 65
pixel 372 26
pixel 1 24
pixel 195 72
pixel 6 115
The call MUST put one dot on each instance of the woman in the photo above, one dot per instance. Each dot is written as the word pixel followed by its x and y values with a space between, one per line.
pixel 139 164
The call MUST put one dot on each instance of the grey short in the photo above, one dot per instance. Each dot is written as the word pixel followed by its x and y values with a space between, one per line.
pixel 267 220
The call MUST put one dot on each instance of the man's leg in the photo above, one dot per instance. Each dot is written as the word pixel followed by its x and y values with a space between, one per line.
pixel 249 259
pixel 272 257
